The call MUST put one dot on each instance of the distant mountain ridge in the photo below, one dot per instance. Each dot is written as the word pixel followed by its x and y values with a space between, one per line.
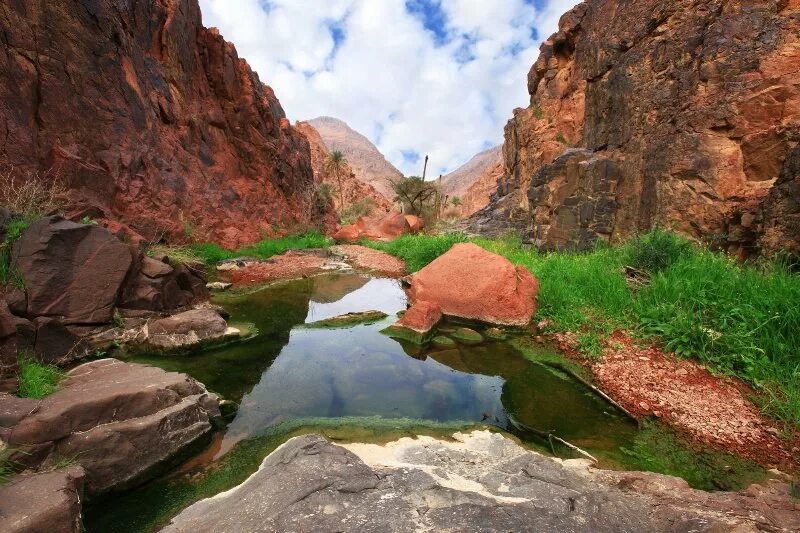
pixel 367 162
pixel 476 180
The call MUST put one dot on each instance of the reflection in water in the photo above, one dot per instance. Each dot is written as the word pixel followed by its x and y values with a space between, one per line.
pixel 288 372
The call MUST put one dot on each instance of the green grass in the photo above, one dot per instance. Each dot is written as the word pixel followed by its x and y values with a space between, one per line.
pixel 8 274
pixel 739 319
pixel 418 250
pixel 37 380
pixel 211 253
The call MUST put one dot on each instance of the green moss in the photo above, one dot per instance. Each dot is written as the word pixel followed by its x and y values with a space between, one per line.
pixel 467 336
pixel 37 380
pixel 348 320
pixel 440 341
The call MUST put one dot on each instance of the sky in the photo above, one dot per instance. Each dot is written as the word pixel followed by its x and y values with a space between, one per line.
pixel 417 77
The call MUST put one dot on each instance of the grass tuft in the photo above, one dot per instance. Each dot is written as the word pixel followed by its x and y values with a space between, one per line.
pixel 37 380
pixel 210 253
pixel 418 250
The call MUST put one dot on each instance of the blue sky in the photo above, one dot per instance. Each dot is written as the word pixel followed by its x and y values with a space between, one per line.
pixel 436 77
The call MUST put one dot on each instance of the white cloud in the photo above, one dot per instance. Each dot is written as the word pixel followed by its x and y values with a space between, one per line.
pixel 446 93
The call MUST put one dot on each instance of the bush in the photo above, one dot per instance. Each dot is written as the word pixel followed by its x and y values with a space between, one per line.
pixel 31 195
pixel 361 208
pixel 323 196
pixel 37 380
pixel 657 250
pixel 9 275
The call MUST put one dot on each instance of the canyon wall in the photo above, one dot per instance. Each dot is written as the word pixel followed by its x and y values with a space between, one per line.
pixel 680 113
pixel 475 181
pixel 153 121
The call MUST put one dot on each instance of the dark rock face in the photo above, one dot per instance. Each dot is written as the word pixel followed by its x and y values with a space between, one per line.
pixel 156 285
pixel 481 482
pixel 71 271
pixel 153 120
pixel 120 420
pixel 49 501
pixel 8 340
pixel 685 114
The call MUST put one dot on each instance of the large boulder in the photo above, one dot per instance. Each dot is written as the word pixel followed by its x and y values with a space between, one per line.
pixel 469 282
pixel 417 323
pixel 382 228
pixel 189 328
pixel 71 271
pixel 43 502
pixel 120 421
pixel 159 284
pixel 480 481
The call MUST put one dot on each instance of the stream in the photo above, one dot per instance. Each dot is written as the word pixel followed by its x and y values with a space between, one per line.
pixel 358 384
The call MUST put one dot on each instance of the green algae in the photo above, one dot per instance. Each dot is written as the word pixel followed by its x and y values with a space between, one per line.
pixel 467 336
pixel 348 320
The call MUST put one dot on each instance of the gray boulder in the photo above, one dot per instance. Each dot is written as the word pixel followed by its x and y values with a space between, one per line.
pixel 479 482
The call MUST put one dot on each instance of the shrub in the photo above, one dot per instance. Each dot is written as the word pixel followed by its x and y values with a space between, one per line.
pixel 9 275
pixel 31 195
pixel 657 250
pixel 323 195
pixel 361 208
pixel 37 380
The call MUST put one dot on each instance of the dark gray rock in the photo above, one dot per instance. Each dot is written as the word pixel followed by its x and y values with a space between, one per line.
pixel 481 482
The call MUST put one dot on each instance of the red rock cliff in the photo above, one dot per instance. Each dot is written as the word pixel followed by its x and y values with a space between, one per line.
pixel 152 119
pixel 682 113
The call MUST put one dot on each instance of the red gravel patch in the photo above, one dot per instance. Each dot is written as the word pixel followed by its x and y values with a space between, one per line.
pixel 290 265
pixel 365 258
pixel 684 394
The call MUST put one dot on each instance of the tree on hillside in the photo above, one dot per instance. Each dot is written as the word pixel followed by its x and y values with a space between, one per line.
pixel 335 166
pixel 415 194
pixel 456 201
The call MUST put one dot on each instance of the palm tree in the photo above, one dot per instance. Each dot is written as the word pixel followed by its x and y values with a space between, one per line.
pixel 335 166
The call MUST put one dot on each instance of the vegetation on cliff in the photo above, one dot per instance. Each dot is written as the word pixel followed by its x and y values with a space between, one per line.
pixel 738 318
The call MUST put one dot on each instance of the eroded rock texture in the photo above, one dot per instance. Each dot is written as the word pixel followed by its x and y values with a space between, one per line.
pixel 478 482
pixel 681 113
pixel 153 120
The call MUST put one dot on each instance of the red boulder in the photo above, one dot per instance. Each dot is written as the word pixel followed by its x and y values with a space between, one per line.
pixel 417 323
pixel 469 282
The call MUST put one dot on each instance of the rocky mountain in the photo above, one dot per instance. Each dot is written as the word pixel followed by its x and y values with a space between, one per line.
pixel 681 113
pixel 364 157
pixel 476 180
pixel 354 189
pixel 152 120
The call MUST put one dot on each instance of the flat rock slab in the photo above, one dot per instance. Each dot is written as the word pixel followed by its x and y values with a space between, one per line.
pixel 365 258
pixel 348 320
pixel 118 420
pixel 48 502
pixel 478 482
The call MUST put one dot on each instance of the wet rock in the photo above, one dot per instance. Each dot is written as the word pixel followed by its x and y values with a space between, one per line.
pixel 440 341
pixel 43 502
pixel 467 336
pixel 469 282
pixel 348 320
pixel 478 482
pixel 417 323
pixel 71 271
pixel 189 328
pixel 120 421
pixel 218 286
pixel 495 334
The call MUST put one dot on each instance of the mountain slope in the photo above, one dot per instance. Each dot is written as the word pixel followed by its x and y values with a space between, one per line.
pixel 476 180
pixel 153 120
pixel 682 113
pixel 365 159
pixel 354 190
